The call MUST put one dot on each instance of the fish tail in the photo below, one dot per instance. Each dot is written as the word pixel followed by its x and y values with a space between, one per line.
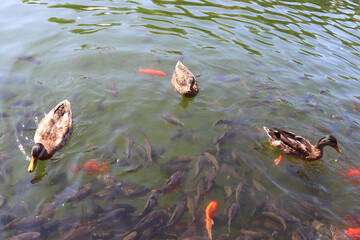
pixel 209 223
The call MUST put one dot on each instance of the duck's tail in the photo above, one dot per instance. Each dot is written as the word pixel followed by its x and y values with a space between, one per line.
pixel 269 133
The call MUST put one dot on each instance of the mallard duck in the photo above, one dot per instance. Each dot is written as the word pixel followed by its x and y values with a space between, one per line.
pixel 184 81
pixel 53 132
pixel 298 146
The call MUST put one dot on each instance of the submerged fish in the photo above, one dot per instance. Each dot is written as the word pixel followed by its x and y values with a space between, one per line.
pixel 172 120
pixel 232 211
pixel 152 72
pixel 354 233
pixel 351 174
pixel 29 59
pixel 25 236
pixel 149 150
pixel 151 203
pixel 210 210
pixel 81 193
pixel 129 144
pixel 21 103
pixel 172 183
pixel 90 167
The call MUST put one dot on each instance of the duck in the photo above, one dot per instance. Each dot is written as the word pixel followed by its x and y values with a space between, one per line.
pixel 52 133
pixel 184 81
pixel 298 146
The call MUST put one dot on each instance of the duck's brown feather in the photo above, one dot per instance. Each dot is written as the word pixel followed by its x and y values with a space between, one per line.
pixel 55 129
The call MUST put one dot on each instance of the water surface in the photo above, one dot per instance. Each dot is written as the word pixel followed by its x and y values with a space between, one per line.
pixel 290 64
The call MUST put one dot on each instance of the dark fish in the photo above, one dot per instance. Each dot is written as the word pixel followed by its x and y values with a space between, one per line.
pixel 232 211
pixel 25 236
pixel 172 120
pixel 81 193
pixel 276 218
pixel 25 223
pixel 172 183
pixel 129 144
pixel 6 95
pixel 80 233
pixel 258 208
pixel 3 115
pixel 257 235
pixel 111 215
pixel 155 218
pixel 131 190
pixel 210 183
pixel 180 160
pixel 340 117
pixel 177 214
pixel 258 186
pixel 199 191
pixel 228 192
pixel 151 203
pixel 149 151
pixel 338 234
pixel 3 200
pixel 212 160
pixel 114 90
pixel 177 163
pixel 100 106
pixel 194 238
pixel 222 122
pixel 225 137
pixel 199 165
pixel 129 208
pixel 310 210
pixel 274 235
pixel 21 103
pixel 48 210
pixel 29 59
pixel 6 218
pixel 231 172
pixel 191 206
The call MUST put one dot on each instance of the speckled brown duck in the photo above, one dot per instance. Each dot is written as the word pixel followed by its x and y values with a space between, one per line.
pixel 298 146
pixel 51 135
pixel 184 81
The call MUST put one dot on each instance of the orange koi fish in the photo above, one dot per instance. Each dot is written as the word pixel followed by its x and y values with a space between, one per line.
pixel 352 174
pixel 152 72
pixel 277 160
pixel 210 210
pixel 90 167
pixel 354 233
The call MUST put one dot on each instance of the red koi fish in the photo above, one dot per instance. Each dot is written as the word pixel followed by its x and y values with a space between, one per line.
pixel 354 233
pixel 152 72
pixel 210 210
pixel 352 221
pixel 352 174
pixel 90 167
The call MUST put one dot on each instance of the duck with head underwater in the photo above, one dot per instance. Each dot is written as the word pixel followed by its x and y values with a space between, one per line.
pixel 298 146
pixel 51 135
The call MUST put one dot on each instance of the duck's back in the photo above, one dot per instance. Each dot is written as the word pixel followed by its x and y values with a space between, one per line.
pixel 55 128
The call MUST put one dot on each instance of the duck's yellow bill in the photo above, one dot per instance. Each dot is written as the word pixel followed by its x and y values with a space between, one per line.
pixel 337 149
pixel 32 164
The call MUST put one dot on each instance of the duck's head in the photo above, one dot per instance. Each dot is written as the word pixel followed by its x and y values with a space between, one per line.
pixel 331 141
pixel 36 153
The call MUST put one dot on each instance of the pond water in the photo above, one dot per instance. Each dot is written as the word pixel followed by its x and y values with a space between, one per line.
pixel 288 64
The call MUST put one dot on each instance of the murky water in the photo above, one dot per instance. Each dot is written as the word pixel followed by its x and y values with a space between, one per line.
pixel 293 65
